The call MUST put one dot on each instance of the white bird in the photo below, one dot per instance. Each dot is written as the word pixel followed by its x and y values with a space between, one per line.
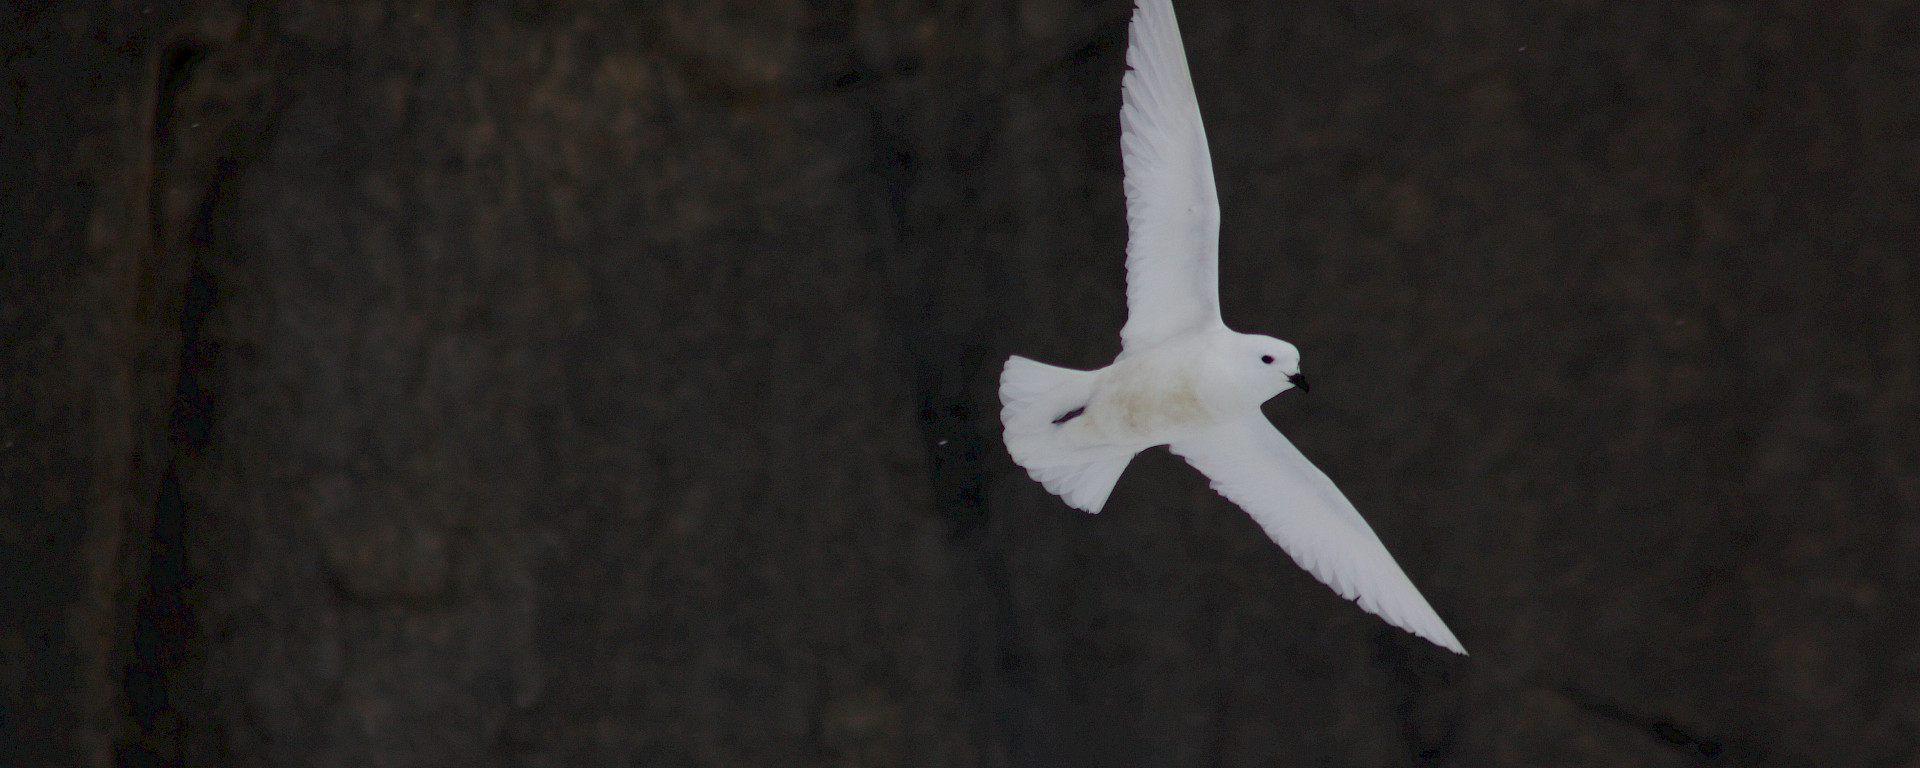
pixel 1183 379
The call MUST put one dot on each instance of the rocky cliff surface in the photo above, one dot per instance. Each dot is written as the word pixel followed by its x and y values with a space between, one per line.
pixel 575 384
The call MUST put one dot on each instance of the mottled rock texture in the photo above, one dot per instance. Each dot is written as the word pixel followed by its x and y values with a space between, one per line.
pixel 564 384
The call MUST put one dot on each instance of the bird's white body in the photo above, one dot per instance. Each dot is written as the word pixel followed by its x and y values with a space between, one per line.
pixel 1156 398
pixel 1174 390
pixel 1159 396
pixel 1183 379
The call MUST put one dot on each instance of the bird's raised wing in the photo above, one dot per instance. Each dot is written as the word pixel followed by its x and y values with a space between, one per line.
pixel 1173 214
pixel 1256 467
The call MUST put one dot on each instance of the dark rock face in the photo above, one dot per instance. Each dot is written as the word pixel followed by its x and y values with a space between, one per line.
pixel 585 384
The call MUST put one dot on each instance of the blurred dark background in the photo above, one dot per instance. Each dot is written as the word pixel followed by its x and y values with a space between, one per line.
pixel 529 384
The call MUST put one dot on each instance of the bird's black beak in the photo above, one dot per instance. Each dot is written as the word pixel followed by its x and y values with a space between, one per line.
pixel 1299 380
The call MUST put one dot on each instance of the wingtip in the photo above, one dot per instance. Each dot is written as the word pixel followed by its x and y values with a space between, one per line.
pixel 1441 636
pixel 1433 630
pixel 1405 608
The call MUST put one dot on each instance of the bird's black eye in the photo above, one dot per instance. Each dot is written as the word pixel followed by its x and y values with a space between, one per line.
pixel 1268 359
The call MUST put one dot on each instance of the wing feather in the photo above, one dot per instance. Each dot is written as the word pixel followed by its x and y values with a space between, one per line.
pixel 1173 212
pixel 1256 467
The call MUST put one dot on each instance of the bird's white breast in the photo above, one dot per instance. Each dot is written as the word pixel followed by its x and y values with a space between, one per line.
pixel 1157 397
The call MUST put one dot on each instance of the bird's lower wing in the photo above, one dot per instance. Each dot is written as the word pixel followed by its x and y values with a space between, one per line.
pixel 1256 467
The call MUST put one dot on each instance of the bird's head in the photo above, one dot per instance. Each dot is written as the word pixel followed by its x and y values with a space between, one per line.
pixel 1265 366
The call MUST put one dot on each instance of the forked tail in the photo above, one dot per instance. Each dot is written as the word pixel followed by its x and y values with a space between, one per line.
pixel 1038 404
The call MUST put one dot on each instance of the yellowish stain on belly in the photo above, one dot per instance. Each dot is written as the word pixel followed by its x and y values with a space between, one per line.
pixel 1145 411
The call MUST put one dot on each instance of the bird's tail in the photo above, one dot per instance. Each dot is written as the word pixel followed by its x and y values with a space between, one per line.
pixel 1038 403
